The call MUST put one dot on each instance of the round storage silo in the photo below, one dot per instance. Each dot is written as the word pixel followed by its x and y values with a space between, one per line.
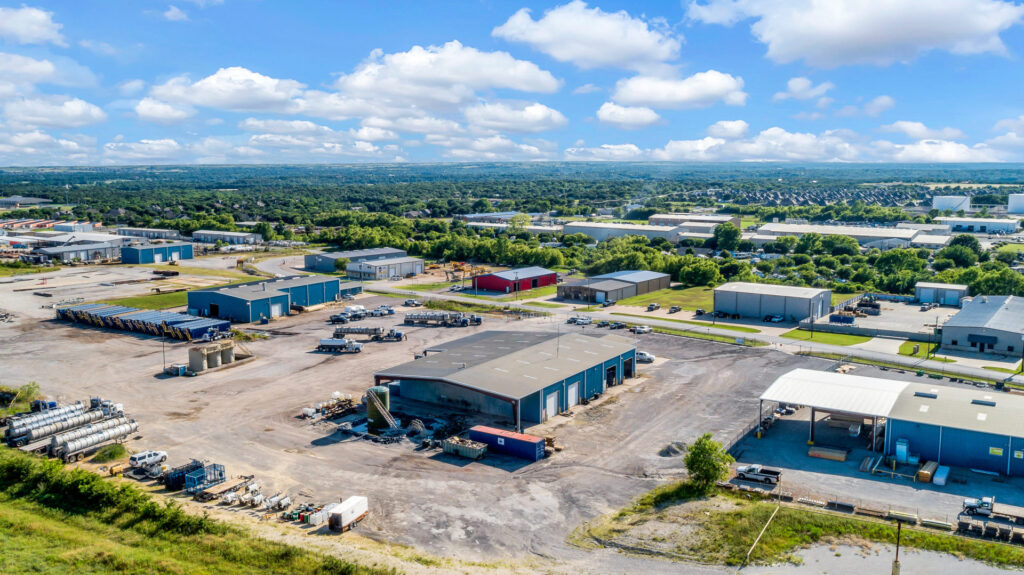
pixel 375 420
pixel 196 359
pixel 227 355
pixel 213 356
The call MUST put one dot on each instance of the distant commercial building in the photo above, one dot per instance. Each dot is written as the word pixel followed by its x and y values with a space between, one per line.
pixel 522 376
pixel 614 286
pixel 384 269
pixel 214 236
pixel 150 233
pixel 267 299
pixel 943 294
pixel 73 227
pixel 987 324
pixel 21 201
pixel 156 253
pixel 981 225
pixel 529 228
pixel 55 239
pixel 495 217
pixel 84 252
pixel 325 262
pixel 930 242
pixel 759 300
pixel 520 279
pixel 935 229
pixel 1015 205
pixel 677 219
pixel 961 427
pixel 954 203
pixel 602 231
pixel 884 238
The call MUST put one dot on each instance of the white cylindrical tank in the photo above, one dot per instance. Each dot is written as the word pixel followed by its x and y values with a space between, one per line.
pixel 227 355
pixel 196 360
pixel 213 358
pixel 71 422
pixel 88 441
pixel 58 440
pixel 1016 204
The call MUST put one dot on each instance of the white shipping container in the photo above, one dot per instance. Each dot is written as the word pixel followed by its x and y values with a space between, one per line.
pixel 348 512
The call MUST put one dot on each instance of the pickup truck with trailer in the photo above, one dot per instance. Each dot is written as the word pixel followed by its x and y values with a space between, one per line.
pixel 987 507
pixel 756 472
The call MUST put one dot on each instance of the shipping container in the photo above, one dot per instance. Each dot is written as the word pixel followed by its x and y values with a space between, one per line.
pixel 348 513
pixel 509 442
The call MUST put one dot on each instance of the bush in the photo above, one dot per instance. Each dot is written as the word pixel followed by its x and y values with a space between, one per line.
pixel 110 453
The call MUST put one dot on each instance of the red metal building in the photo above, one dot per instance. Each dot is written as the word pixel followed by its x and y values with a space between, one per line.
pixel 521 279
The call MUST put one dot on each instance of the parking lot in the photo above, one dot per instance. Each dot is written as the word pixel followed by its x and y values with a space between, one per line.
pixel 899 317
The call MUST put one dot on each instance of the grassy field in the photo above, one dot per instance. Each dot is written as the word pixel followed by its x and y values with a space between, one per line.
pixel 545 304
pixel 531 293
pixel 727 326
pixel 686 298
pixel 432 286
pixel 1002 369
pixel 707 336
pixel 825 337
pixel 6 271
pixel 153 301
pixel 838 298
pixel 907 348
pixel 1013 248
pixel 54 521
pixel 721 529
pixel 206 272
pixel 746 221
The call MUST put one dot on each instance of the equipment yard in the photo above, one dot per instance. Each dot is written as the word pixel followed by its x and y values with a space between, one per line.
pixel 250 420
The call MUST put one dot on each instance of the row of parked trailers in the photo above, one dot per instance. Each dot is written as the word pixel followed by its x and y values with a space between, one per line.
pixel 176 325
pixel 70 432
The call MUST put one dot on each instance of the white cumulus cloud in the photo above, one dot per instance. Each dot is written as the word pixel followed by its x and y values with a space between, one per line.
pixel 627 117
pixel 143 151
pixel 235 88
pixel 282 126
pixel 511 117
pixel 372 134
pixel 53 111
pixel 700 90
pixel 831 33
pixel 1011 124
pixel 918 131
pixel 944 151
pixel 152 110
pixel 803 88
pixel 728 129
pixel 592 38
pixel 28 25
pixel 175 14
pixel 606 153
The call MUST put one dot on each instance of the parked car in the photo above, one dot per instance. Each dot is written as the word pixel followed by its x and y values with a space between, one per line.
pixel 638 329
pixel 608 303
pixel 721 314
pixel 700 311
pixel 773 318
pixel 603 323
pixel 644 357
pixel 674 309
pixel 584 321
pixel 147 458
pixel 396 278
pixel 572 320
pixel 413 303
pixel 653 307
pixel 347 297
pixel 617 325
pixel 456 287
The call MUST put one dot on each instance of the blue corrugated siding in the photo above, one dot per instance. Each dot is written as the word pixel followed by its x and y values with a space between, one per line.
pixel 315 294
pixel 146 255
pixel 594 382
pixel 959 448
pixel 530 408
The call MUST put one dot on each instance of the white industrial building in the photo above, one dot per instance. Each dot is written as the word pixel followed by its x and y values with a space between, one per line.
pixel 943 294
pixel 793 303
pixel 929 241
pixel 151 233
pixel 954 203
pixel 602 231
pixel 528 228
pixel 935 229
pixel 214 236
pixel 1015 204
pixel 987 324
pixel 73 227
pixel 676 219
pixel 982 225
pixel 384 269
pixel 881 237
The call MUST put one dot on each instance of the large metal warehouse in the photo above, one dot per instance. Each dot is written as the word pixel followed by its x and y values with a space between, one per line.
pixel 156 253
pixel 982 225
pixel 614 286
pixel 255 301
pixel 954 203
pixel 602 231
pixel 519 279
pixel 759 300
pixel 523 376
pixel 953 426
pixel 384 269
pixel 214 236
pixel 987 324
pixel 943 294
pixel 325 262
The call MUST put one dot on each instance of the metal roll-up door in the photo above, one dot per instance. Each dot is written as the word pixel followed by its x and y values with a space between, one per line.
pixel 573 392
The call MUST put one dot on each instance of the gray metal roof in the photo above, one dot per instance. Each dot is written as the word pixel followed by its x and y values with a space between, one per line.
pixel 830 391
pixel 512 364
pixel 934 285
pixel 601 285
pixel 956 220
pixel 388 261
pixel 998 312
pixel 361 253
pixel 522 273
pixel 256 291
pixel 826 230
pixel 770 289
pixel 633 276
pixel 223 233
pixel 972 409
pixel 159 245
pixel 77 248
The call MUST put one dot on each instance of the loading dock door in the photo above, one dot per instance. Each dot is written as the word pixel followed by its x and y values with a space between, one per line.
pixel 158 258
pixel 951 298
pixel 610 377
pixel 627 369
pixel 275 310
pixel 551 405
pixel 175 256
pixel 927 295
pixel 599 297
pixel 574 394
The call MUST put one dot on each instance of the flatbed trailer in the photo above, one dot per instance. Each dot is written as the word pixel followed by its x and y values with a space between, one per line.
pixel 218 491
pixel 987 507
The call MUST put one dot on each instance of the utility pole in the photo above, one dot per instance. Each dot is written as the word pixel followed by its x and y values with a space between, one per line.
pixel 896 561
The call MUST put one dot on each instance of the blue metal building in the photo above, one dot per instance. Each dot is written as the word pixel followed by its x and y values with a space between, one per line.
pixel 524 376
pixel 156 253
pixel 267 299
pixel 955 426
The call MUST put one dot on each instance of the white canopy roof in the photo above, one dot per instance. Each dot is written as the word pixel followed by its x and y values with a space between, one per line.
pixel 830 391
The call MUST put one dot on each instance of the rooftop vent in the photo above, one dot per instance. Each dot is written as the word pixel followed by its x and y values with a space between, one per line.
pixel 926 394
pixel 983 402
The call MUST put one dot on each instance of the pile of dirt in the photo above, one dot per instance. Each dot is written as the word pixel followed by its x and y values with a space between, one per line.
pixel 674 449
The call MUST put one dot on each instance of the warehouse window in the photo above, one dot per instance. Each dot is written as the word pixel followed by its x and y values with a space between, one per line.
pixel 954 342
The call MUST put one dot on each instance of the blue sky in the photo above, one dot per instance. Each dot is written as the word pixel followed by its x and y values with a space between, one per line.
pixel 317 81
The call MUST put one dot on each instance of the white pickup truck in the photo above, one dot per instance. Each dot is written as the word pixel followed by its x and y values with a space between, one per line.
pixel 769 475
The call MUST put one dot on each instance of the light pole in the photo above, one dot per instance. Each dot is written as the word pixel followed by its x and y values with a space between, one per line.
pixel 896 561
pixel 515 286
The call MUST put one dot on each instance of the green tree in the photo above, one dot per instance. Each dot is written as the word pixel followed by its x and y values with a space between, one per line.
pixel 727 236
pixel 518 223
pixel 808 244
pixel 707 462
pixel 840 245
pixel 968 241
pixel 700 272
pixel 962 256
pixel 341 264
pixel 894 261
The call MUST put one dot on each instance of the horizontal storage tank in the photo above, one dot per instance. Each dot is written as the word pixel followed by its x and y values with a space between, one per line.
pixel 509 442
pixel 114 433
pixel 27 419
pixel 20 427
pixel 72 422
pixel 58 440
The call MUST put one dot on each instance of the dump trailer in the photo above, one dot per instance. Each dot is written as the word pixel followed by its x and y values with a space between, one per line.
pixel 987 507
pixel 339 346
pixel 78 449
pixel 341 332
pixel 391 335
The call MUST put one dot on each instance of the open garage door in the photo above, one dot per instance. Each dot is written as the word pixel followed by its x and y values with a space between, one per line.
pixel 610 376
pixel 628 370
pixel 573 393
